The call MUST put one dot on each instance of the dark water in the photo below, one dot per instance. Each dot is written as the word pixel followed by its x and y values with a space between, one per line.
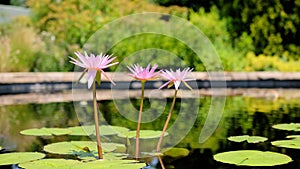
pixel 242 115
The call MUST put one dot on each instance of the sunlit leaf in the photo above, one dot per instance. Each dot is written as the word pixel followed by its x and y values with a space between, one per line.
pixel 144 134
pixel 51 164
pixel 74 164
pixel 45 131
pixel 152 154
pixel 79 147
pixel 111 164
pixel 93 155
pixel 90 130
pixel 177 152
pixel 82 130
pixel 249 139
pixel 293 136
pixel 294 143
pixel 252 158
pixel 288 127
pixel 19 157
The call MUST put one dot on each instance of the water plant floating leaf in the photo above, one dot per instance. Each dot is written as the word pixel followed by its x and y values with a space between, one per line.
pixel 115 147
pixel 111 164
pixel 288 127
pixel 144 134
pixel 252 158
pixel 78 147
pixel 293 136
pixel 90 130
pixel 45 131
pixel 177 152
pixel 294 143
pixel 249 139
pixel 50 164
pixel 19 157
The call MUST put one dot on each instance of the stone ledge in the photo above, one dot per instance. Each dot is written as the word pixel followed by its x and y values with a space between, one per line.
pixel 52 77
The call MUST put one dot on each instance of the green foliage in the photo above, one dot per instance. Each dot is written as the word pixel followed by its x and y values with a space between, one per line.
pixel 215 28
pixel 249 139
pixel 288 127
pixel 272 25
pixel 293 143
pixel 250 35
pixel 73 22
pixel 252 158
pixel 45 131
pixel 23 49
pixel 270 63
pixel 19 157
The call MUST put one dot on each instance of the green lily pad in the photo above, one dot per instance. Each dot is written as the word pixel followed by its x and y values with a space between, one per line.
pixel 177 152
pixel 152 154
pixel 74 164
pixel 78 147
pixel 288 127
pixel 45 131
pixel 293 136
pixel 249 139
pixel 252 158
pixel 93 155
pixel 105 130
pixel 82 130
pixel 294 143
pixel 111 164
pixel 144 134
pixel 19 157
pixel 51 164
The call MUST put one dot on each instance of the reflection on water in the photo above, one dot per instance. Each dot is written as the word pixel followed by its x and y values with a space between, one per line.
pixel 242 115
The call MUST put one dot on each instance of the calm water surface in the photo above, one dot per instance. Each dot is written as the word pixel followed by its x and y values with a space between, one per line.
pixel 242 115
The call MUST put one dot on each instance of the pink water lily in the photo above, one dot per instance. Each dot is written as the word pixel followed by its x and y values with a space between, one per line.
pixel 143 74
pixel 93 64
pixel 175 78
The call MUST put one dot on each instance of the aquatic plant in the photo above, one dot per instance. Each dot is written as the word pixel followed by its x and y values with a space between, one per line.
pixel 141 74
pixel 94 66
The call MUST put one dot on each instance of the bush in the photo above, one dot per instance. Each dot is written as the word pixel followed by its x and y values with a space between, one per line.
pixel 271 63
pixel 24 49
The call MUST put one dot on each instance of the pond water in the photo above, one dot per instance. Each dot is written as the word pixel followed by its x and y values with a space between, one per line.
pixel 242 115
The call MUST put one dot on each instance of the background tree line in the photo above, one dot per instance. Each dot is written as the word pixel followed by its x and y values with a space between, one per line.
pixel 252 35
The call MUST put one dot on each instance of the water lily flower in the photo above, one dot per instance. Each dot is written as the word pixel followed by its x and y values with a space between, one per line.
pixel 175 78
pixel 143 74
pixel 94 64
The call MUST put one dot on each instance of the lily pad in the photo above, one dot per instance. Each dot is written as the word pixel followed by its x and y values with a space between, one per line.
pixel 111 164
pixel 294 143
pixel 90 130
pixel 19 157
pixel 249 139
pixel 152 154
pixel 50 164
pixel 293 136
pixel 79 147
pixel 144 134
pixel 177 152
pixel 93 155
pixel 252 158
pixel 288 127
pixel 82 130
pixel 45 131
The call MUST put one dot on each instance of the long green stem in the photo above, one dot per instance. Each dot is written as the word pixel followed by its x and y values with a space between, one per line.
pixel 138 128
pixel 167 122
pixel 96 122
